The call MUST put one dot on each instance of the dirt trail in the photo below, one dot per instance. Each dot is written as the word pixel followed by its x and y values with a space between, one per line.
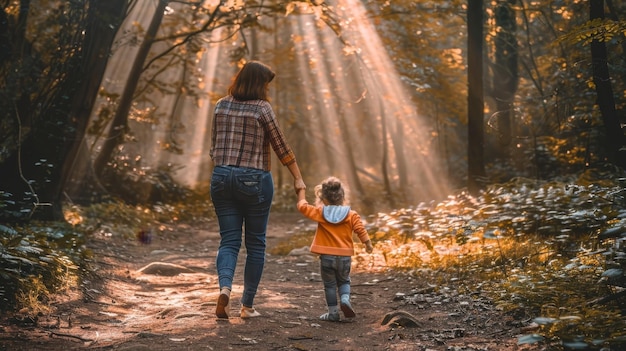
pixel 123 308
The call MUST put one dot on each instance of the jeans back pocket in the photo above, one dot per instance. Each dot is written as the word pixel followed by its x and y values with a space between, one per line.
pixel 218 183
pixel 249 184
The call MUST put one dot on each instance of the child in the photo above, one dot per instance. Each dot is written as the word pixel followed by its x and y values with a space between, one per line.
pixel 333 242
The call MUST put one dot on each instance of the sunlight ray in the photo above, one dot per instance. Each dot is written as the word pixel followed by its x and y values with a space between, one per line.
pixel 341 101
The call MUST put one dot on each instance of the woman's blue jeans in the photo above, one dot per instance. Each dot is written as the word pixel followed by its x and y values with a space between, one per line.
pixel 242 197
pixel 335 272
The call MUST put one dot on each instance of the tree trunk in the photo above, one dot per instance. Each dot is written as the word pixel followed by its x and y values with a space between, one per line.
pixel 33 177
pixel 352 168
pixel 105 18
pixel 505 73
pixel 384 161
pixel 605 99
pixel 5 37
pixel 475 103
pixel 21 46
pixel 613 14
pixel 398 147
pixel 119 125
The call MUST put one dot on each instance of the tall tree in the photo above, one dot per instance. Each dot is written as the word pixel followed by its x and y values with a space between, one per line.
pixel 505 71
pixel 119 125
pixel 50 114
pixel 605 99
pixel 230 18
pixel 106 18
pixel 475 102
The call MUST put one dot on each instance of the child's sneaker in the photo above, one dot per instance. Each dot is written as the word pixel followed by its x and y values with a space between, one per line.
pixel 332 317
pixel 346 307
pixel 249 312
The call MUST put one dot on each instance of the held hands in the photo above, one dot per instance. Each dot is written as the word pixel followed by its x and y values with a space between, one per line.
pixel 298 184
pixel 301 194
pixel 368 246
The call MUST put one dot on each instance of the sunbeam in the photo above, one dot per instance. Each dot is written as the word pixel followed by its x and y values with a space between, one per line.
pixel 338 96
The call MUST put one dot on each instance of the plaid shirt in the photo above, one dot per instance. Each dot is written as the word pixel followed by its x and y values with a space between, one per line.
pixel 243 132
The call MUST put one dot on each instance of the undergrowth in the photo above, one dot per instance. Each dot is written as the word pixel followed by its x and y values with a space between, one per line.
pixel 40 260
pixel 550 254
pixel 37 261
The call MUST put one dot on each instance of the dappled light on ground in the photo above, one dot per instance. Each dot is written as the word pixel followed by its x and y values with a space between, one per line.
pixel 126 308
pixel 551 251
pixel 540 263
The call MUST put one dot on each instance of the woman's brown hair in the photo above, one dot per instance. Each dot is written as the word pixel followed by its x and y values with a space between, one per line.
pixel 251 82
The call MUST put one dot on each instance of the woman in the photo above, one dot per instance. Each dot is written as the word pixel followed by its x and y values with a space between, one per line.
pixel 242 188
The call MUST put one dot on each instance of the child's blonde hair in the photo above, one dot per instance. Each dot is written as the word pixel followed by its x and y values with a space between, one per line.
pixel 330 192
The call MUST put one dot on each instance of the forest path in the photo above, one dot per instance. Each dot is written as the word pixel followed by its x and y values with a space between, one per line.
pixel 125 308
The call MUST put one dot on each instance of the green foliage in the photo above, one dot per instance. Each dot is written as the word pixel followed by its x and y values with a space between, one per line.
pixel 556 128
pixel 42 259
pixel 600 29
pixel 551 252
pixel 34 76
pixel 37 261
pixel 546 259
pixel 126 220
pixel 138 184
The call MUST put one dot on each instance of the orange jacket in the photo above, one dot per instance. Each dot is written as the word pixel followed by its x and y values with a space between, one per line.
pixel 335 225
